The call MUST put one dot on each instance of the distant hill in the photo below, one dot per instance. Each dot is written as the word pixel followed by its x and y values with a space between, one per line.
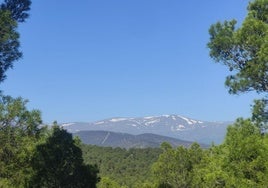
pixel 174 126
pixel 124 140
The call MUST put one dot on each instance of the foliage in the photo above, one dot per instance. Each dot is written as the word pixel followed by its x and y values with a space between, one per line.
pixel 18 134
pixel 58 163
pixel 260 113
pixel 244 49
pixel 174 167
pixel 18 9
pixel 30 155
pixel 241 161
pixel 106 182
pixel 11 12
pixel 246 155
pixel 130 168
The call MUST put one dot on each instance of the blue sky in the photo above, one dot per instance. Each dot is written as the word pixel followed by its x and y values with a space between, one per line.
pixel 93 59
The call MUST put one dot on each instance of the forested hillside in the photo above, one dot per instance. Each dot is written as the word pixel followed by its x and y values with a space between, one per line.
pixel 130 168
pixel 123 140
pixel 241 161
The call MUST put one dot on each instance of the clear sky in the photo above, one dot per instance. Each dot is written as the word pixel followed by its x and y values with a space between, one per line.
pixel 88 60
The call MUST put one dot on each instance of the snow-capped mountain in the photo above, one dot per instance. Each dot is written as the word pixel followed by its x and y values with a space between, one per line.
pixel 175 126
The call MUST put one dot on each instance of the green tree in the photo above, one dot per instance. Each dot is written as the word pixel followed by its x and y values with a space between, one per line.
pixel 107 182
pixel 246 156
pixel 19 134
pixel 11 13
pixel 174 167
pixel 209 172
pixel 241 161
pixel 58 163
pixel 245 51
pixel 18 9
pixel 260 113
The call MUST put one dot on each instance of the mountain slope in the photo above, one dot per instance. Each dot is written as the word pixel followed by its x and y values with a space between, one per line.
pixel 175 126
pixel 124 140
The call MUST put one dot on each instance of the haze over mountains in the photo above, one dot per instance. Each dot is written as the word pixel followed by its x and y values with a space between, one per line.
pixel 124 140
pixel 174 126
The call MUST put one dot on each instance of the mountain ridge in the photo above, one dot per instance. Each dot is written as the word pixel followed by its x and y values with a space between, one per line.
pixel 125 140
pixel 175 126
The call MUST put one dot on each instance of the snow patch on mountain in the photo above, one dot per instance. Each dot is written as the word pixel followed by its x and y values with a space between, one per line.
pixel 67 124
pixel 174 118
pixel 189 121
pixel 167 116
pixel 117 119
pixel 99 123
pixel 149 117
pixel 152 122
pixel 178 128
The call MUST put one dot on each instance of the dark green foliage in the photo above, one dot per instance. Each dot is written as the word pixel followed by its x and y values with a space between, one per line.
pixel 9 43
pixel 164 185
pixel 17 8
pixel 31 156
pixel 58 163
pixel 11 12
pixel 260 113
pixel 120 166
pixel 106 182
pixel 244 49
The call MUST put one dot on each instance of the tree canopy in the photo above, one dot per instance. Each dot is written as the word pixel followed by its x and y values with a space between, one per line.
pixel 19 133
pixel 11 13
pixel 244 50
pixel 58 163
pixel 35 156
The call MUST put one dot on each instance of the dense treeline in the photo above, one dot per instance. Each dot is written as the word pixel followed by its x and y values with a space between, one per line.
pixel 240 161
pixel 130 168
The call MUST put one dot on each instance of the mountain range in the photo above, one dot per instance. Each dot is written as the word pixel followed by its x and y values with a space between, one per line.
pixel 124 140
pixel 174 126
